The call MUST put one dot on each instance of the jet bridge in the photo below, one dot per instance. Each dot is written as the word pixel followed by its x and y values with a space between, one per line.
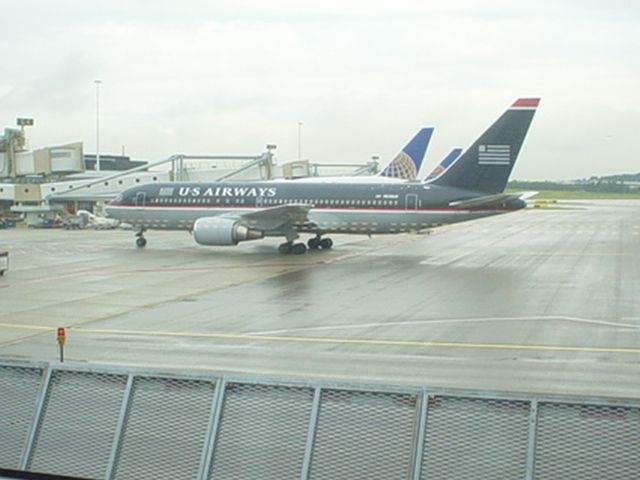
pixel 109 186
pixel 97 421
pixel 34 200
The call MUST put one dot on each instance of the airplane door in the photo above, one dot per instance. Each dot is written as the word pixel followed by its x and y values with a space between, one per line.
pixel 411 201
pixel 260 202
pixel 141 199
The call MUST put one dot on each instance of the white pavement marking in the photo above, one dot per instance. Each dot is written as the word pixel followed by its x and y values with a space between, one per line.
pixel 449 320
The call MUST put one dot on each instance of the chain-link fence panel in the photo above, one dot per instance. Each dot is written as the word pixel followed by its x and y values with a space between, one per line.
pixel 468 438
pixel 262 432
pixel 364 435
pixel 18 395
pixel 78 424
pixel 165 431
pixel 587 442
pixel 94 422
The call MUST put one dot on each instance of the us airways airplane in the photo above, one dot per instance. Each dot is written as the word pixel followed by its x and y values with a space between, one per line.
pixel 226 213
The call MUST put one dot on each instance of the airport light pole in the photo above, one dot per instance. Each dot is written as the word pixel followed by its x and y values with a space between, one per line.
pixel 97 82
pixel 299 141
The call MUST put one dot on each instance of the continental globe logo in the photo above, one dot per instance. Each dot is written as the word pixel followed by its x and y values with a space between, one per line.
pixel 401 167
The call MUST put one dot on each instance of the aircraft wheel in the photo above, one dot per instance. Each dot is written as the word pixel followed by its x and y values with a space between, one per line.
pixel 299 249
pixel 314 243
pixel 326 243
pixel 285 247
pixel 141 242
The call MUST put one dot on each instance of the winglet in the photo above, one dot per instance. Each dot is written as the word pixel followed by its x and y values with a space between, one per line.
pixel 406 164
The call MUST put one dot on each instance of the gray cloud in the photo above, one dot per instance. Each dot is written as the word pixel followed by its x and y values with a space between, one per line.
pixel 224 76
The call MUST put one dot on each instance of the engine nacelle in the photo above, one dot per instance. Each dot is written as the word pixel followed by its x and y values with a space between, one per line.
pixel 213 231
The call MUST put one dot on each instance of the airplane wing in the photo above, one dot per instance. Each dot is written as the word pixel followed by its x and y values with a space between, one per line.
pixel 490 201
pixel 274 218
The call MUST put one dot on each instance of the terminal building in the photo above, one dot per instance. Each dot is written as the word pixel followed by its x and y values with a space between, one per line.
pixel 42 184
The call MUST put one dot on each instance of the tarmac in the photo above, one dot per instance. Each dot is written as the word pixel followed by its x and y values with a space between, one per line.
pixel 537 301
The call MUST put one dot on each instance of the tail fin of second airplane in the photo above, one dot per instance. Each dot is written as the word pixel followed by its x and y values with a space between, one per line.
pixel 406 164
pixel 486 165
pixel 444 164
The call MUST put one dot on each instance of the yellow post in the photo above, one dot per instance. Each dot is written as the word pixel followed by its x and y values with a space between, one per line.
pixel 61 339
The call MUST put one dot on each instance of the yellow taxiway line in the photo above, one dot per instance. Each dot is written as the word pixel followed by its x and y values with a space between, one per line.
pixel 332 340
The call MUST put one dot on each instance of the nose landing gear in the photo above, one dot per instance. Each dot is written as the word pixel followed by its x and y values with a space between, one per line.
pixel 140 240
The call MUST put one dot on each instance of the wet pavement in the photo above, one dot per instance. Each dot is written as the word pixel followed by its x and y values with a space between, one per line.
pixel 540 300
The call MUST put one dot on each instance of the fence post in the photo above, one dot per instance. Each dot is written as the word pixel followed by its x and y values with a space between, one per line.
pixel 422 431
pixel 122 419
pixel 37 419
pixel 311 433
pixel 531 444
pixel 215 414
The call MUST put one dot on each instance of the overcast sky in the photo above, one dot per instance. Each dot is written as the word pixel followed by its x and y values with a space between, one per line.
pixel 218 76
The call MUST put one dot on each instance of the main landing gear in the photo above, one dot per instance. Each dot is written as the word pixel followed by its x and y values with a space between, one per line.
pixel 314 243
pixel 140 240
pixel 290 247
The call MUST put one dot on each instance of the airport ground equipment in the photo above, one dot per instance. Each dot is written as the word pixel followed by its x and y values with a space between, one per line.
pixel 75 223
pixel 93 421
pixel 4 263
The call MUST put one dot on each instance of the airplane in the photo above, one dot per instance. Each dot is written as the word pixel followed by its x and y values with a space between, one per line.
pixel 226 213
pixel 444 164
pixel 407 163
pixel 404 166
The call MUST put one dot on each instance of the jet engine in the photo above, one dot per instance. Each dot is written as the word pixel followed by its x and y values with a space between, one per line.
pixel 213 231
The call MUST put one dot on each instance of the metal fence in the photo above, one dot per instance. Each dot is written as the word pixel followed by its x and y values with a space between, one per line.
pixel 106 422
